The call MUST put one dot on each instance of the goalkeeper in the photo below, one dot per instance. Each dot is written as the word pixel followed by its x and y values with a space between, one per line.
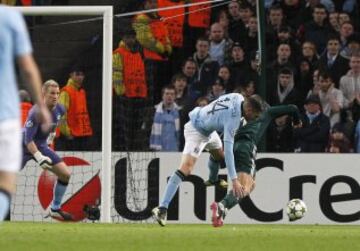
pixel 246 139
pixel 36 146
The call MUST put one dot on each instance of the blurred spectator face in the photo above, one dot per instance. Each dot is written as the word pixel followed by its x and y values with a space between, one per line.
pixel 150 4
pixel 346 30
pixel 253 25
pixel 291 2
pixel 325 84
pixel 304 67
pixel 281 121
pixel 354 46
pixel 78 77
pixel 180 84
pixel 316 83
pixel 168 97
pixel 237 54
pixel 343 17
pixel 189 69
pixel 245 14
pixel 284 52
pixel 217 89
pixel 337 135
pixel 333 47
pixel 129 40
pixel 275 17
pixel 284 79
pixel 312 108
pixel 224 73
pixel 254 64
pixel 308 50
pixel 334 20
pixel 202 101
pixel 355 64
pixel 319 15
pixel 223 19
pixel 202 48
pixel 216 33
pixel 283 35
pixel 249 89
pixel 234 10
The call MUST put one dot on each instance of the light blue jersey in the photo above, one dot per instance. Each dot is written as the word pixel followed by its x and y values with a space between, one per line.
pixel 14 42
pixel 222 115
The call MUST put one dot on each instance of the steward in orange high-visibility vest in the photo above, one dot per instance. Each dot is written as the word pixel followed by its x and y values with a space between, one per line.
pixel 24 108
pixel 174 20
pixel 129 72
pixel 73 98
pixel 152 34
pixel 199 15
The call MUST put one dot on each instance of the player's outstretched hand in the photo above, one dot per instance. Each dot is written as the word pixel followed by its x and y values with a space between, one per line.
pixel 44 118
pixel 43 161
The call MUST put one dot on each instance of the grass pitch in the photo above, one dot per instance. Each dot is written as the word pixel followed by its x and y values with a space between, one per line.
pixel 123 237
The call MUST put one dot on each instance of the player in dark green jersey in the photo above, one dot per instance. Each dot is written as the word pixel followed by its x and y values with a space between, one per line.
pixel 245 149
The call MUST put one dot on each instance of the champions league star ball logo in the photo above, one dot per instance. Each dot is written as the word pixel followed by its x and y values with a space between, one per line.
pixel 88 194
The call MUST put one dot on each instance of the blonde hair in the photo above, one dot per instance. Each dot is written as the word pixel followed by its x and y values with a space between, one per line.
pixel 49 83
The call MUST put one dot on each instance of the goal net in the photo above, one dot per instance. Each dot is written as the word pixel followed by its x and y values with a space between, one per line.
pixel 109 170
pixel 115 170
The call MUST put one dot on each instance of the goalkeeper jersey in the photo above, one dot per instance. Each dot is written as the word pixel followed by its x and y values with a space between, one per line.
pixel 32 129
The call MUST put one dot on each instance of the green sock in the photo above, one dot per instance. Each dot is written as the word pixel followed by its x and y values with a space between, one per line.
pixel 213 166
pixel 230 200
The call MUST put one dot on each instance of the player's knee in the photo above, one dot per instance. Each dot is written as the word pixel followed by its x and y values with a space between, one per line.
pixel 64 175
pixel 217 155
pixel 186 168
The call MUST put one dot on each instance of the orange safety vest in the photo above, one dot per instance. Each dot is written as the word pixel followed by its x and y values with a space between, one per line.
pixel 24 108
pixel 199 19
pixel 160 33
pixel 26 2
pixel 77 115
pixel 133 73
pixel 174 21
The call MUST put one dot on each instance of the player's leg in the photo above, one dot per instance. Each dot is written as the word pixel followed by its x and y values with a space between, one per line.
pixel 10 157
pixel 194 145
pixel 216 161
pixel 186 166
pixel 219 210
pixel 61 170
pixel 7 187
pixel 63 173
pixel 247 182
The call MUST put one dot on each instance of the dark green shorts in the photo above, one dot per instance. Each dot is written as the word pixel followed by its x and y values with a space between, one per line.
pixel 245 155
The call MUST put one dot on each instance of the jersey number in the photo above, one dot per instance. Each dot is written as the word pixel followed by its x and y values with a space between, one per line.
pixel 218 106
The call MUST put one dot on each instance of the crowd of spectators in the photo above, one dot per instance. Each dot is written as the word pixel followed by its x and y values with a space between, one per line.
pixel 167 62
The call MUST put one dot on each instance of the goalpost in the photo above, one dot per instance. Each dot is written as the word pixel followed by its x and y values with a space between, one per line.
pixel 106 13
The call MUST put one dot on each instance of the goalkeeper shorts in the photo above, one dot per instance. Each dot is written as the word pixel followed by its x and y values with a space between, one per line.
pixel 10 145
pixel 46 151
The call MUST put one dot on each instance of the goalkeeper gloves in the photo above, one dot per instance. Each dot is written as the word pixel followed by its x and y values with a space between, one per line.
pixel 43 161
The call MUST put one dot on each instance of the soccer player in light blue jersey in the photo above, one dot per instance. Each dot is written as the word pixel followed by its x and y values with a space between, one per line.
pixel 223 115
pixel 15 47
